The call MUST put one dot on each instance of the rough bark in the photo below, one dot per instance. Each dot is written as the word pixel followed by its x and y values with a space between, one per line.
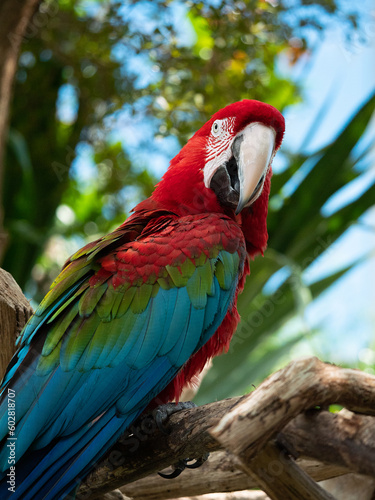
pixel 245 425
pixel 15 310
pixel 351 486
pixel 346 439
pixel 15 16
pixel 303 384
pixel 219 474
pixel 247 430
pixel 238 495
pixel 279 475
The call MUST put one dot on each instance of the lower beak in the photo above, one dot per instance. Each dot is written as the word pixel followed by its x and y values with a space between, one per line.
pixel 253 149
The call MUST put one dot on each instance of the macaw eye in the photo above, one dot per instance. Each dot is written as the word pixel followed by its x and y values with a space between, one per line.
pixel 216 128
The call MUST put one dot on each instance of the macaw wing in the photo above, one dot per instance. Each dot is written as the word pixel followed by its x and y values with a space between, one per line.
pixel 115 333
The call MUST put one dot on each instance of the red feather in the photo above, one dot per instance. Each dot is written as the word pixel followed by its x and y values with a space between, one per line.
pixel 182 191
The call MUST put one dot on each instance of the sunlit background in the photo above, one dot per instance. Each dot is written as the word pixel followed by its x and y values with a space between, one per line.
pixel 106 94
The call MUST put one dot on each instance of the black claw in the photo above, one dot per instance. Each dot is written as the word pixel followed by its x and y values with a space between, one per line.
pixel 198 462
pixel 179 467
pixel 172 475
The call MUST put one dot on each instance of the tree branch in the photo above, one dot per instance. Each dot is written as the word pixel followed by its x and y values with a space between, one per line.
pixel 345 439
pixel 247 430
pixel 15 310
pixel 302 385
pixel 278 475
pixel 218 474
pixel 242 425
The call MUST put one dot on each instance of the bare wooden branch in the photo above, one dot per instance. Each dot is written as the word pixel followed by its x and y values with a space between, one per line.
pixel 346 439
pixel 278 475
pixel 114 495
pixel 237 495
pixel 246 430
pixel 348 487
pixel 15 310
pixel 351 486
pixel 218 474
pixel 146 451
pixel 303 384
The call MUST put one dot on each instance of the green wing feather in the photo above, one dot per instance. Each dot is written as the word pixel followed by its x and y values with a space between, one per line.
pixel 90 327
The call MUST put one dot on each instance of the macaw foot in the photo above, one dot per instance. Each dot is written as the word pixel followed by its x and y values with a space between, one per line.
pixel 161 414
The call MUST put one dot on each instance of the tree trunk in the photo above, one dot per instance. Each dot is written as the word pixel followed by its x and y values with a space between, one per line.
pixel 15 16
pixel 15 310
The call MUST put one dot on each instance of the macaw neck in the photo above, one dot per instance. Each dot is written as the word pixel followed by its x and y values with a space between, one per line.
pixel 182 188
pixel 186 196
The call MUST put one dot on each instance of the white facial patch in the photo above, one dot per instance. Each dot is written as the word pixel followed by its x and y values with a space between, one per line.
pixel 218 147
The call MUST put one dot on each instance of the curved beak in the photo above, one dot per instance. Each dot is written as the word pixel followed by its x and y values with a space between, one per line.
pixel 253 149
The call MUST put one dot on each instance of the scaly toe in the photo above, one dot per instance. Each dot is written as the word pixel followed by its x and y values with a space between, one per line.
pixel 163 412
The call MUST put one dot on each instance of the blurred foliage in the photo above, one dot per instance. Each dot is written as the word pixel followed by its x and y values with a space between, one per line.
pixel 89 66
pixel 83 62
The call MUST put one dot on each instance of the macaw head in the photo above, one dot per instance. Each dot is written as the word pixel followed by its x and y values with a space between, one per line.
pixel 226 167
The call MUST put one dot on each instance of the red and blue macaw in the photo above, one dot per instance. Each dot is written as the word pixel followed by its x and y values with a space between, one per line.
pixel 135 315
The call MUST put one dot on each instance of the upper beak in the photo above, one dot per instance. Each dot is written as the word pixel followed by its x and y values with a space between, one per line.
pixel 253 149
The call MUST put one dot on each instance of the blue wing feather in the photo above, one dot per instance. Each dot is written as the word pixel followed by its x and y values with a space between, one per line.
pixel 93 395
